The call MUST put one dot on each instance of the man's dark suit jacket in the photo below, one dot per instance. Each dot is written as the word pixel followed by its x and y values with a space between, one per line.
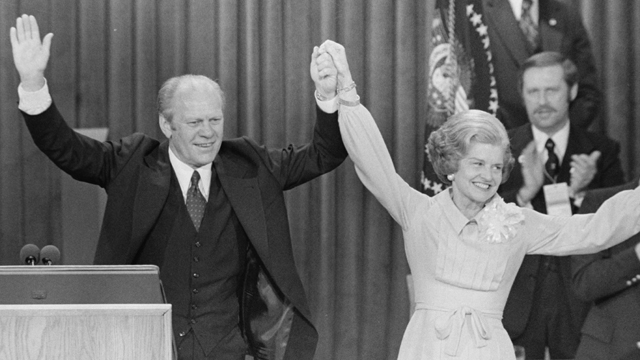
pixel 561 30
pixel 135 172
pixel 610 280
pixel 520 300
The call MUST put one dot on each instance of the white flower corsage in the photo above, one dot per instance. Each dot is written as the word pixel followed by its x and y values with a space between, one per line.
pixel 499 221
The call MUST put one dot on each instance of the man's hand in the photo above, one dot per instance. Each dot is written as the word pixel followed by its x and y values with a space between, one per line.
pixel 532 172
pixel 30 54
pixel 339 57
pixel 583 168
pixel 324 74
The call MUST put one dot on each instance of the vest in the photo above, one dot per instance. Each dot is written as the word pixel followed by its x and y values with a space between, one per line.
pixel 200 271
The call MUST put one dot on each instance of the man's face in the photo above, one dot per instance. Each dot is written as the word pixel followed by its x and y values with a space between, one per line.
pixel 195 132
pixel 546 97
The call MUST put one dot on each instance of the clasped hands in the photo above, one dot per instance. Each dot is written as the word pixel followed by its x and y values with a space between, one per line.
pixel 329 69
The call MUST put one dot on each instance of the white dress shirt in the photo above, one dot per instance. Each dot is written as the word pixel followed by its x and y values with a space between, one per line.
pixel 516 6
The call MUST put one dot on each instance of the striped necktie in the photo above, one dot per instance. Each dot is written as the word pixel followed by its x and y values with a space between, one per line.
pixel 529 27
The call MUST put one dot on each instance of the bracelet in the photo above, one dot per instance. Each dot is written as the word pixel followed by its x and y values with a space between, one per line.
pixel 348 87
pixel 356 102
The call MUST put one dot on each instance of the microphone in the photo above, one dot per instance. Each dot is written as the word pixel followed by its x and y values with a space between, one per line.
pixel 50 255
pixel 30 254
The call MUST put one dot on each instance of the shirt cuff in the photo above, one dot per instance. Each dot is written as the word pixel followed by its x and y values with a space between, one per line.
pixel 328 106
pixel 34 102
pixel 578 198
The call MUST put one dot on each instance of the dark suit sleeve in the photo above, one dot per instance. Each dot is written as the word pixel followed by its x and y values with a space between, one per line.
pixel 610 166
pixel 585 108
pixel 297 164
pixel 82 157
pixel 597 276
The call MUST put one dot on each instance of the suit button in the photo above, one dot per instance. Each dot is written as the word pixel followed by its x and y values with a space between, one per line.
pixel 195 291
pixel 196 275
pixel 194 306
pixel 196 259
pixel 193 321
pixel 197 244
pixel 182 333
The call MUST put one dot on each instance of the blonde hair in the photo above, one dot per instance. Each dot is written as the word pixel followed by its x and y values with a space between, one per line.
pixel 450 143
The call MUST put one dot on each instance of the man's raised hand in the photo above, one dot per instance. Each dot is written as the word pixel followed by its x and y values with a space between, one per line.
pixel 30 53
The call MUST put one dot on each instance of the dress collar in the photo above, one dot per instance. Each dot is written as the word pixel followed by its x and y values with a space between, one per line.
pixel 451 211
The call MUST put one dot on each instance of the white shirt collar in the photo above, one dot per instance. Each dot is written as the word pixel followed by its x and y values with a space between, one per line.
pixel 184 173
pixel 560 138
pixel 516 6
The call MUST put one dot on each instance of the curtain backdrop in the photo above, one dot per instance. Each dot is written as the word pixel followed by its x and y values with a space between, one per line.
pixel 109 58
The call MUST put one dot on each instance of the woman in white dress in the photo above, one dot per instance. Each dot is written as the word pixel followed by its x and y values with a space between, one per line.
pixel 465 245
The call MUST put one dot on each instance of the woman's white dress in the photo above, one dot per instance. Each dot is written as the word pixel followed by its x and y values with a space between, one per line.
pixel 463 269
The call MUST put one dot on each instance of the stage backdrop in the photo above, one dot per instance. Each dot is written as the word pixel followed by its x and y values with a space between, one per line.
pixel 109 58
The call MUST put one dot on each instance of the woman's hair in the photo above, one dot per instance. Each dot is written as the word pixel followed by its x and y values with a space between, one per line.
pixel 450 143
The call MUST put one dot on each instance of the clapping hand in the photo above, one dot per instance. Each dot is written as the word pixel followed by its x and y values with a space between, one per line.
pixel 583 169
pixel 532 172
pixel 30 53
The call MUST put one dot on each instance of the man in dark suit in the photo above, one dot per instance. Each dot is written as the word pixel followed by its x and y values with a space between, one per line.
pixel 610 280
pixel 553 26
pixel 194 205
pixel 557 162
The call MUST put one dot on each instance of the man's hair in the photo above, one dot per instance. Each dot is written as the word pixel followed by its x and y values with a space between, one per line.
pixel 170 87
pixel 546 59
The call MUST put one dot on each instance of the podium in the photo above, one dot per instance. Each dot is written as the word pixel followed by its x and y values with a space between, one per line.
pixel 83 312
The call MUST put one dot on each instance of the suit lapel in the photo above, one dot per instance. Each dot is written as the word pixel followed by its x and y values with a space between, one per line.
pixel 246 201
pixel 550 25
pixel 500 17
pixel 151 194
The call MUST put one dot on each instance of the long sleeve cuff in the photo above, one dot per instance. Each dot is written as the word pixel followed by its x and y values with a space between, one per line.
pixel 328 106
pixel 34 102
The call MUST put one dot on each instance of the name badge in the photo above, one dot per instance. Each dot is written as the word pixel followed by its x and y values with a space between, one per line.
pixel 557 199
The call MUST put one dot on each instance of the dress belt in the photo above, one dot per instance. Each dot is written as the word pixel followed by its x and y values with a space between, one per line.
pixel 449 326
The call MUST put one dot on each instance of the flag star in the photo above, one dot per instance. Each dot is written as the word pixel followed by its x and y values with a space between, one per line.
pixel 437 187
pixel 476 19
pixel 485 42
pixel 482 30
pixel 470 9
pixel 493 106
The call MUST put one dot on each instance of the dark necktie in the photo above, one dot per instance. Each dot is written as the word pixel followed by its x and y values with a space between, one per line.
pixel 528 27
pixel 553 164
pixel 195 201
